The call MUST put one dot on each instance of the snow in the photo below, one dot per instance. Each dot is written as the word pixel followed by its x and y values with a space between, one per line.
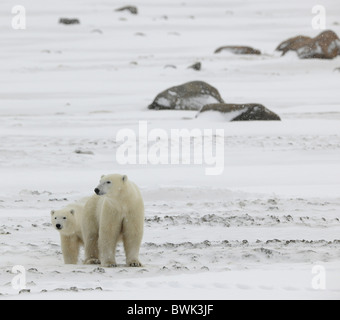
pixel 164 102
pixel 257 231
pixel 222 117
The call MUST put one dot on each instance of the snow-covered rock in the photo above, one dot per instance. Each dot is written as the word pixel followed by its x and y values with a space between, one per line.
pixel 238 50
pixel 325 46
pixel 189 96
pixel 131 9
pixel 242 112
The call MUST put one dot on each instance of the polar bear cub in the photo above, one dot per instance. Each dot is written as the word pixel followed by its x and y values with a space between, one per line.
pixel 115 212
pixel 68 222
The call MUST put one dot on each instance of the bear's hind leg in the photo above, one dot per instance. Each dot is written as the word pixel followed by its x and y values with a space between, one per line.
pixel 91 249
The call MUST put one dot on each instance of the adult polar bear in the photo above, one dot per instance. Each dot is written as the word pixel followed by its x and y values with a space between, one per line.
pixel 115 213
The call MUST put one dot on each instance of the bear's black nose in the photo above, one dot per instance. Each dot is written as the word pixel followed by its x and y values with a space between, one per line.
pixel 97 191
pixel 58 226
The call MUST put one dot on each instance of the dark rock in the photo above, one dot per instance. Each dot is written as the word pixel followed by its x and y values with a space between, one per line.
pixel 68 21
pixel 325 46
pixel 189 96
pixel 78 151
pixel 23 291
pixel 131 9
pixel 239 50
pixel 243 112
pixel 197 66
pixel 99 270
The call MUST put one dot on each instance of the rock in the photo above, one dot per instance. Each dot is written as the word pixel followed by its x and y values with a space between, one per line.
pixel 99 270
pixel 239 50
pixel 197 66
pixel 131 9
pixel 23 291
pixel 337 69
pixel 68 21
pixel 170 66
pixel 79 151
pixel 243 112
pixel 293 44
pixel 189 96
pixel 55 199
pixel 325 46
pixel 97 31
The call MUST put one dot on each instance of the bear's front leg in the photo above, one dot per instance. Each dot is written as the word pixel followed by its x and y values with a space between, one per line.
pixel 109 232
pixel 132 238
pixel 70 248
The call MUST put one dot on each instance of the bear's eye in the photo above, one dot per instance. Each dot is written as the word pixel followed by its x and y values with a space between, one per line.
pixel 55 218
pixel 108 182
pixel 64 218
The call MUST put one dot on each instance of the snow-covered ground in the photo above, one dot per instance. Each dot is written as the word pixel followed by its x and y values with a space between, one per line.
pixel 268 227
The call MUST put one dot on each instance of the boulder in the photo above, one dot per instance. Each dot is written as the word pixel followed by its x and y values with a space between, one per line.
pixel 239 50
pixel 189 96
pixel 131 9
pixel 242 112
pixel 325 46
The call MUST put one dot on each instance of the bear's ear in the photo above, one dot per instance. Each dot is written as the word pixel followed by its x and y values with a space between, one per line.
pixel 72 211
pixel 52 212
pixel 102 176
pixel 125 178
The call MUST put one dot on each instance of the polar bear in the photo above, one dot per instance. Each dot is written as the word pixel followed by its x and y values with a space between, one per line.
pixel 68 222
pixel 114 213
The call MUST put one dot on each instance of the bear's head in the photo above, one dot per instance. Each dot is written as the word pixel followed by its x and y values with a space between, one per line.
pixel 111 185
pixel 64 221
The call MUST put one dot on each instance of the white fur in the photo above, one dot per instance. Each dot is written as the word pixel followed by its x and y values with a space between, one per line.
pixel 68 222
pixel 116 213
